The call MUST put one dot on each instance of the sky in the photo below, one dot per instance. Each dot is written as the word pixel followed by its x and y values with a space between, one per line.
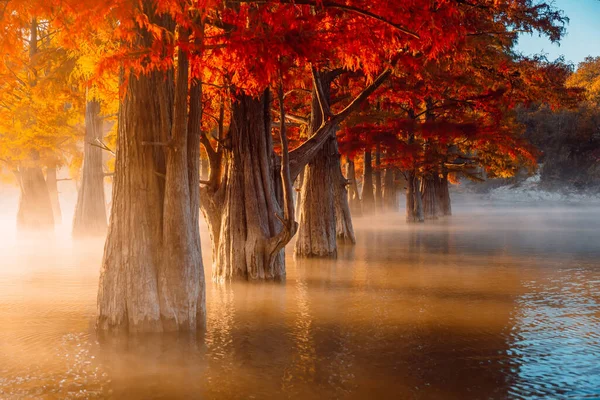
pixel 583 33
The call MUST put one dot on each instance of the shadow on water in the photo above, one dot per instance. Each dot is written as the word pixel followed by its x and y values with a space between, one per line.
pixel 489 304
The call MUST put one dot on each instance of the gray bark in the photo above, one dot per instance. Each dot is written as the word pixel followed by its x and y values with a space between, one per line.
pixel 317 225
pixel 152 277
pixel 324 212
pixel 90 210
pixel 242 211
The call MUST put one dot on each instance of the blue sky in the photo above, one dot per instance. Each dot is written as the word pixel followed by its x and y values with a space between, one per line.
pixel 583 33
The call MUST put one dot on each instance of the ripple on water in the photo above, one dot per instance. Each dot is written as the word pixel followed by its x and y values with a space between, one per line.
pixel 555 346
pixel 502 309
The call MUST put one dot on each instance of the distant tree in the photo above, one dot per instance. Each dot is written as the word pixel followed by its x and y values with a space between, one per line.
pixel 587 77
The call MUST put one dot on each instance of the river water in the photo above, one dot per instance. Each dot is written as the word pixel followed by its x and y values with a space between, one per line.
pixel 493 303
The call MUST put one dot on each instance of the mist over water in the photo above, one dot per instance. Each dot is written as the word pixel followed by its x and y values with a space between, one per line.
pixel 497 301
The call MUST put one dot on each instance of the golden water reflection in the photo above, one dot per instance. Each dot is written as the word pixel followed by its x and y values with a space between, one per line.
pixel 497 305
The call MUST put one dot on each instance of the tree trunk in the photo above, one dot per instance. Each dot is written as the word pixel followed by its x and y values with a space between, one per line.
pixel 368 198
pixel 390 191
pixel 35 207
pixel 377 176
pixel 353 195
pixel 152 277
pixel 443 192
pixel 52 184
pixel 430 197
pixel 343 217
pixel 414 202
pixel 244 222
pixel 299 183
pixel 317 221
pixel 89 218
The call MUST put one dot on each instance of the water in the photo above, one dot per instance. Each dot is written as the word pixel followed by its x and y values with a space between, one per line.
pixel 493 303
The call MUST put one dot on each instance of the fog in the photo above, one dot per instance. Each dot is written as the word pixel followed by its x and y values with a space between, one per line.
pixel 497 301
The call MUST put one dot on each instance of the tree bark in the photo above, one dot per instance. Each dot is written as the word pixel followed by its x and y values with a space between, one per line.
pixel 414 202
pixel 343 217
pixel 377 176
pixel 89 218
pixel 353 195
pixel 368 198
pixel 443 192
pixel 299 183
pixel 242 213
pixel 35 207
pixel 152 277
pixel 241 204
pixel 317 218
pixel 390 191
pixel 430 197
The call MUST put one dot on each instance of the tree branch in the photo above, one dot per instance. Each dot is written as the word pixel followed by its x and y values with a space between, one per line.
pixel 289 225
pixel 302 155
pixel 100 144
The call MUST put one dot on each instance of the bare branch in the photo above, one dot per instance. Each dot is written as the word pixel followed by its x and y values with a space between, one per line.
pixel 100 144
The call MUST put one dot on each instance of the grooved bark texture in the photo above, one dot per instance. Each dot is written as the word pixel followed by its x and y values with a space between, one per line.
pixel 152 277
pixel 318 202
pixel 244 249
pixel 35 208
pixel 317 226
pixel 89 218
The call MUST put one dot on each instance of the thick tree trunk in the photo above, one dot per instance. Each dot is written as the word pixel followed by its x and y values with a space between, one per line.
pixel 377 177
pixel 35 207
pixel 246 219
pixel 443 193
pixel 368 198
pixel 52 184
pixel 390 191
pixel 353 195
pixel 89 218
pixel 317 220
pixel 324 211
pixel 181 276
pixel 431 208
pixel 343 217
pixel 414 202
pixel 152 277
